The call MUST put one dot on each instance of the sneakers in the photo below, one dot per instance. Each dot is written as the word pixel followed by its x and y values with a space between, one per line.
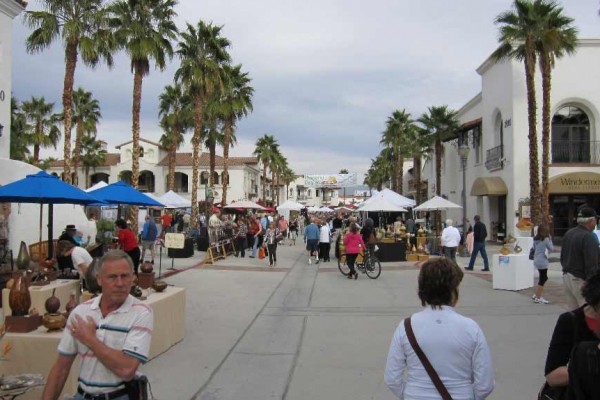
pixel 533 297
pixel 309 261
pixel 317 261
pixel 540 300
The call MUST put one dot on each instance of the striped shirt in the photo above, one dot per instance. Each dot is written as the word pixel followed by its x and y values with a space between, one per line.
pixel 129 329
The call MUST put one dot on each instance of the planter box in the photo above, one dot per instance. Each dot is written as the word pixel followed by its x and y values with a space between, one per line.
pixel 412 257
pixel 22 324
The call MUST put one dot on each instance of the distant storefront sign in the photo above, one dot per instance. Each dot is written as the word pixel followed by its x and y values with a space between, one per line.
pixel 575 182
pixel 331 180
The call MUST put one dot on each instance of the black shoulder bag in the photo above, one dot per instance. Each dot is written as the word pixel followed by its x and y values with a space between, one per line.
pixel 439 385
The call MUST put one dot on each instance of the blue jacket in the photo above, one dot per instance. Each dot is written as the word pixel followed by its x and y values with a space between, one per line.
pixel 149 232
pixel 312 232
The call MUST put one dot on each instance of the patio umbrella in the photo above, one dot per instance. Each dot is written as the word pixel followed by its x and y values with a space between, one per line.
pixel 42 188
pixel 122 193
pixel 245 204
pixel 436 203
pixel 173 200
pixel 380 204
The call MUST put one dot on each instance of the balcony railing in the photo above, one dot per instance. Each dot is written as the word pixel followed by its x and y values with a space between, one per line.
pixel 494 158
pixel 575 151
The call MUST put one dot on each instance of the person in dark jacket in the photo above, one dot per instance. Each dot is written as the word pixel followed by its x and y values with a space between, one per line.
pixel 479 235
pixel 65 262
pixel 579 256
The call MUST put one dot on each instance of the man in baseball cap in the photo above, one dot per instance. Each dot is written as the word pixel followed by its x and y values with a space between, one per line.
pixel 579 255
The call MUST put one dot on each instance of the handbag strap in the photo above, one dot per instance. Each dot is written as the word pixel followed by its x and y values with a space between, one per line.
pixel 439 385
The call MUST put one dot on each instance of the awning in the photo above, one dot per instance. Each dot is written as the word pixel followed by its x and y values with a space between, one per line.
pixel 490 186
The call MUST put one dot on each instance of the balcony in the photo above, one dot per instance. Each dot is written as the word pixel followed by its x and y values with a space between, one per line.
pixel 575 152
pixel 494 158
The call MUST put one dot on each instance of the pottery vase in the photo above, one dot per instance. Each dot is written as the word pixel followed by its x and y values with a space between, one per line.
pixel 147 267
pixel 23 258
pixel 19 298
pixel 71 304
pixel 54 322
pixel 52 304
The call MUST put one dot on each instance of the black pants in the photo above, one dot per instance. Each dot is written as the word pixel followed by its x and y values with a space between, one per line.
pixel 241 246
pixel 350 260
pixel 324 248
pixel 135 255
pixel 272 253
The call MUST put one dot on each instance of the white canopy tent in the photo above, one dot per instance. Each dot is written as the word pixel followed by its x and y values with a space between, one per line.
pixel 98 185
pixel 436 203
pixel 380 203
pixel 173 200
pixel 325 209
pixel 287 206
pixel 392 197
pixel 247 204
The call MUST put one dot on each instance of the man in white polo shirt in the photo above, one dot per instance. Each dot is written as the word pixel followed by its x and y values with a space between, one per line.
pixel 450 240
pixel 111 333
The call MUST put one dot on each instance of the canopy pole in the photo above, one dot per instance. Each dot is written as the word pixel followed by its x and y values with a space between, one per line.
pixel 50 230
pixel 41 215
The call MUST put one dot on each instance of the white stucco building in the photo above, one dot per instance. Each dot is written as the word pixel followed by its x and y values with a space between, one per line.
pixel 495 125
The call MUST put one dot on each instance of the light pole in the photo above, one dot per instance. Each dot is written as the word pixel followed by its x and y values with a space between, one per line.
pixel 463 152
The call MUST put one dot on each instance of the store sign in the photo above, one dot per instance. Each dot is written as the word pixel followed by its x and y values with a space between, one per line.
pixel 332 180
pixel 575 182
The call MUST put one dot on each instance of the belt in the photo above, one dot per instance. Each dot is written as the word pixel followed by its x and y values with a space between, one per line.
pixel 102 396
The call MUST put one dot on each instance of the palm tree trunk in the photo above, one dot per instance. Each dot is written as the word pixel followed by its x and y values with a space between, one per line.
pixel 546 69
pixel 196 140
pixel 36 153
pixel 534 178
pixel 417 179
pixel 135 154
pixel 272 188
pixel 264 185
pixel 77 151
pixel 227 133
pixel 399 173
pixel 67 99
pixel 438 182
pixel 172 158
pixel 87 177
pixel 211 157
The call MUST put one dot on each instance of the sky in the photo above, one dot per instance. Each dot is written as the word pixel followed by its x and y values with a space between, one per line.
pixel 326 73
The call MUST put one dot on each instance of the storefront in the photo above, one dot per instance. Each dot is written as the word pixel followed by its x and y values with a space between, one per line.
pixel 568 193
pixel 495 188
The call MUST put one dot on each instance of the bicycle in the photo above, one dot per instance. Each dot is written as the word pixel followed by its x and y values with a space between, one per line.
pixel 367 264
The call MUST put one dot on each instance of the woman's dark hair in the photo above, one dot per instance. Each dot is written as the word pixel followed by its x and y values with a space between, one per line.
pixel 470 229
pixel 369 222
pixel 591 291
pixel 438 282
pixel 542 233
pixel 121 224
pixel 353 227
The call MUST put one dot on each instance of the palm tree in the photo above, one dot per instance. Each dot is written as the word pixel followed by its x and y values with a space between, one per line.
pixel 18 132
pixel 86 115
pixel 92 155
pixel 43 130
pixel 144 28
pixel 203 51
pixel 82 26
pixel 175 110
pixel 213 136
pixel 519 31
pixel 236 102
pixel 288 176
pixel 557 38
pixel 394 136
pixel 264 149
pixel 277 165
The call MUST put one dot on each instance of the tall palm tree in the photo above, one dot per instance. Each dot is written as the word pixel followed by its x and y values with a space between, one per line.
pixel 558 37
pixel 213 134
pixel 277 165
pixel 288 176
pixel 236 102
pixel 394 136
pixel 82 27
pixel 174 108
pixel 203 51
pixel 144 29
pixel 264 149
pixel 43 125
pixel 519 31
pixel 417 144
pixel 18 132
pixel 86 115
pixel 92 155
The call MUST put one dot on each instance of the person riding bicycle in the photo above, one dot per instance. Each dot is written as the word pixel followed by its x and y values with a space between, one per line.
pixel 354 244
pixel 368 235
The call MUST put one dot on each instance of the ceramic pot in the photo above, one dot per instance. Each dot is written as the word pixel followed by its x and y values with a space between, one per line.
pixel 147 267
pixel 90 278
pixel 54 322
pixel 159 286
pixel 23 258
pixel 71 304
pixel 19 298
pixel 52 304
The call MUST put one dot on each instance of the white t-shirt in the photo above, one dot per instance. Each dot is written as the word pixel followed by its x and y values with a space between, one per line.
pixel 324 234
pixel 81 256
pixel 450 237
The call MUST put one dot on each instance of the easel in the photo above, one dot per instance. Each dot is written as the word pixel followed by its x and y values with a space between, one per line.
pixel 172 241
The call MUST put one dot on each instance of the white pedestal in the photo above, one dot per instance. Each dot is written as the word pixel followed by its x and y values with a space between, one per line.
pixel 512 272
pixel 526 243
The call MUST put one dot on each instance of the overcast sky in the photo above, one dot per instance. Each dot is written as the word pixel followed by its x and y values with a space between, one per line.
pixel 326 73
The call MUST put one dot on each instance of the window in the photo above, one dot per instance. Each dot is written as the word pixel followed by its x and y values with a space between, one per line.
pixel 571 136
pixel 204 178
pixel 316 192
pixel 215 178
pixel 141 152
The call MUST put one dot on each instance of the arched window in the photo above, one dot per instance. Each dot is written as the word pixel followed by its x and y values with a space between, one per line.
pixel 292 192
pixel 309 193
pixel 499 131
pixel 215 178
pixel 141 152
pixel 570 136
pixel 204 178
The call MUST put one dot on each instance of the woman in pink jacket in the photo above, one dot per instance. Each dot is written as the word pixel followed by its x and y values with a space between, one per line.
pixel 354 245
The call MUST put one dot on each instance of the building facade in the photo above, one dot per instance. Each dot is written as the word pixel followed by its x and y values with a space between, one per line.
pixel 495 126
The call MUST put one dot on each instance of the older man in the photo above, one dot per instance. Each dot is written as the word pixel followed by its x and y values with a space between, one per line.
pixel 450 240
pixel 579 256
pixel 111 333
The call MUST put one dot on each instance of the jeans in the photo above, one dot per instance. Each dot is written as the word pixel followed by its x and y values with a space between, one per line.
pixel 450 252
pixel 255 246
pixel 479 247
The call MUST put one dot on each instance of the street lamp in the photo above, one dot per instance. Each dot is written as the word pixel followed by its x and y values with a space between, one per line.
pixel 463 152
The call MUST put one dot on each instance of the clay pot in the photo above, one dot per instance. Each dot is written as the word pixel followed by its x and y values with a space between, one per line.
pixel 136 291
pixel 71 304
pixel 147 267
pixel 54 322
pixel 19 298
pixel 159 285
pixel 23 258
pixel 52 304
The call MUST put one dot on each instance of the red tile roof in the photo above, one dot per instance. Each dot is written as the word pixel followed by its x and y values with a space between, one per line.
pixel 110 160
pixel 185 160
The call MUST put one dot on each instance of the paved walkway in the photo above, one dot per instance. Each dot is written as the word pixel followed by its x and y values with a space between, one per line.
pixel 300 331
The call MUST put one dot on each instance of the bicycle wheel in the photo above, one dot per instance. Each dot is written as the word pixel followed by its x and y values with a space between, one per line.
pixel 343 266
pixel 373 267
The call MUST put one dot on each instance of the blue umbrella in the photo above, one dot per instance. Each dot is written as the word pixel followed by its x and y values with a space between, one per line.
pixel 43 188
pixel 122 193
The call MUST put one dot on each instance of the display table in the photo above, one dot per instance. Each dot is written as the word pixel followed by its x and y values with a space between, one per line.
pixel 35 352
pixel 186 252
pixel 512 272
pixel 391 251
pixel 39 294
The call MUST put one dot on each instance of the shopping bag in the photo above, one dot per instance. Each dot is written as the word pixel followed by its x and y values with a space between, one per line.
pixel 261 253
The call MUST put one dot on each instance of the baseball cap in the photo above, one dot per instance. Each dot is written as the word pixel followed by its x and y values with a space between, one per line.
pixel 71 227
pixel 586 212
